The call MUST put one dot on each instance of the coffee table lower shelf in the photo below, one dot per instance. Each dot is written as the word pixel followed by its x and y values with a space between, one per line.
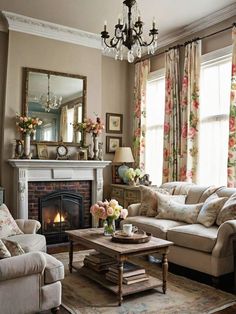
pixel 151 283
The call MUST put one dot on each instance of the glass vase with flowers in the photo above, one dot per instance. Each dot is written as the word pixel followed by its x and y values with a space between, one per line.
pixel 27 126
pixel 108 211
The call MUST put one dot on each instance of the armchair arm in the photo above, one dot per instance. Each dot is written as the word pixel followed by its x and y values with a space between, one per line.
pixel 224 245
pixel 28 226
pixel 22 265
pixel 133 209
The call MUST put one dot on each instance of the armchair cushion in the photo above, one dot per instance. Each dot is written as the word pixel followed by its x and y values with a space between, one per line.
pixel 28 226
pixel 4 253
pixel 13 247
pixel 8 225
pixel 30 242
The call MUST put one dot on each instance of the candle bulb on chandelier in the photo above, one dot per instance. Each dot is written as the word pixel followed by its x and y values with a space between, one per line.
pixel 105 26
pixel 154 22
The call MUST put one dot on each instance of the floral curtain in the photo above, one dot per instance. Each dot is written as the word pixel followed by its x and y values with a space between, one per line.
pixel 140 81
pixel 232 121
pixel 190 113
pixel 172 117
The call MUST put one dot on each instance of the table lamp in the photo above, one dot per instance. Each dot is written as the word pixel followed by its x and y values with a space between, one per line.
pixel 123 155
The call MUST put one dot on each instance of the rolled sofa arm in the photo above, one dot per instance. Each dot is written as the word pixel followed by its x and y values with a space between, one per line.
pixel 22 265
pixel 224 245
pixel 133 209
pixel 28 226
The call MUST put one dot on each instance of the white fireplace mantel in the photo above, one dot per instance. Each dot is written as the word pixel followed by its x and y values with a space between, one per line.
pixel 26 170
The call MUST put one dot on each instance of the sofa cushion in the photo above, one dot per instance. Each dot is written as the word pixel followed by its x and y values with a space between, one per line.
pixel 8 225
pixel 157 227
pixel 228 211
pixel 195 193
pixel 194 236
pixel 54 269
pixel 4 253
pixel 177 187
pixel 168 209
pixel 210 210
pixel 208 192
pixel 149 200
pixel 13 247
pixel 30 242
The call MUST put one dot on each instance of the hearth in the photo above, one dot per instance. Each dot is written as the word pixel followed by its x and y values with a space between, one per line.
pixel 60 211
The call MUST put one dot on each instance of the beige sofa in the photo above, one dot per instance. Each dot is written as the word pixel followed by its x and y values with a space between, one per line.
pixel 205 249
pixel 30 283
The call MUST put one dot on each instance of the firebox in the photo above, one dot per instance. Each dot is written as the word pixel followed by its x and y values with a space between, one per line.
pixel 60 211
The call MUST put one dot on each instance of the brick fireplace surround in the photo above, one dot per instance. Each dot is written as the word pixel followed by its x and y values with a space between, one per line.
pixel 84 177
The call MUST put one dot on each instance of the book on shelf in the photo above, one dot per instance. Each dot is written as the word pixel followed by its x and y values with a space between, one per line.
pixel 129 269
pixel 128 281
pixel 99 258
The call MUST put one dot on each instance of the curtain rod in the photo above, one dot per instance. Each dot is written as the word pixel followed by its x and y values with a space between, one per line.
pixel 184 44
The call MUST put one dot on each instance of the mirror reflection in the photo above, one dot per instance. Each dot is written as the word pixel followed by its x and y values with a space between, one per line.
pixel 58 99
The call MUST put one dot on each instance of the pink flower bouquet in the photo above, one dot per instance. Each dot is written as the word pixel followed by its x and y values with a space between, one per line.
pixel 108 210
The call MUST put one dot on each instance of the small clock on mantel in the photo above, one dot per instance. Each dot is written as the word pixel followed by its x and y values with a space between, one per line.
pixel 62 152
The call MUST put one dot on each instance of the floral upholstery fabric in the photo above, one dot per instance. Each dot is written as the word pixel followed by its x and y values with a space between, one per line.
pixel 171 209
pixel 228 211
pixel 13 247
pixel 4 253
pixel 210 210
pixel 149 200
pixel 8 226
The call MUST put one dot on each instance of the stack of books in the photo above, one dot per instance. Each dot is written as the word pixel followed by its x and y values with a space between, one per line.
pixel 132 273
pixel 98 261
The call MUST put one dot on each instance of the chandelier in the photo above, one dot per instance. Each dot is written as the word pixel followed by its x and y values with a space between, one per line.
pixel 128 34
pixel 49 100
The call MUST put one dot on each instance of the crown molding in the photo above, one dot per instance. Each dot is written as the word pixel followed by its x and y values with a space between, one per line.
pixel 199 25
pixel 29 25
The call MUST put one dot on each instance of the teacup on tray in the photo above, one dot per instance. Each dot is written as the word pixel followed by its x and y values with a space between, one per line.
pixel 129 229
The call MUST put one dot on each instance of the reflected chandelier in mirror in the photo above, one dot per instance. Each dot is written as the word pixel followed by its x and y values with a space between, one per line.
pixel 59 100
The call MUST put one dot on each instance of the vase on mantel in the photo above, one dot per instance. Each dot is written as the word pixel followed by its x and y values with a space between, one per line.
pixel 95 146
pixel 27 154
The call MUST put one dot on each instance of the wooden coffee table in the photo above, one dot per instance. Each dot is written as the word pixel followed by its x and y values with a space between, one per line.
pixel 93 238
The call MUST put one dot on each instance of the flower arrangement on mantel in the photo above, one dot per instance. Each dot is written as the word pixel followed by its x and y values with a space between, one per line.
pixel 108 211
pixel 94 127
pixel 27 125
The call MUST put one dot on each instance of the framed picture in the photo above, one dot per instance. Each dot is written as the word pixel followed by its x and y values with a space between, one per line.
pixel 42 151
pixel 112 143
pixel 114 123
pixel 83 154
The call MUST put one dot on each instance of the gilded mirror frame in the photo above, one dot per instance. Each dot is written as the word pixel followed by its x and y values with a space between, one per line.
pixel 25 95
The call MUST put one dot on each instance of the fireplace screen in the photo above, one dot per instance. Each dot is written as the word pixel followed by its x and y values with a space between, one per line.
pixel 60 211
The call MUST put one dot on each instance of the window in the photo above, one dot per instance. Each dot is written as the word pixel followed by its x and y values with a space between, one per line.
pixel 154 126
pixel 214 120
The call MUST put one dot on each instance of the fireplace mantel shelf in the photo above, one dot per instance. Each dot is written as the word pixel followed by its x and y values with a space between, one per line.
pixel 37 170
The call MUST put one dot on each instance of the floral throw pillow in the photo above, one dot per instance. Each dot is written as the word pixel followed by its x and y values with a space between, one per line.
pixel 228 211
pixel 8 226
pixel 210 210
pixel 4 253
pixel 170 209
pixel 148 205
pixel 13 247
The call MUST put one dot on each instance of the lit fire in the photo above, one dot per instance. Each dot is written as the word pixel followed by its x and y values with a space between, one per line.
pixel 59 218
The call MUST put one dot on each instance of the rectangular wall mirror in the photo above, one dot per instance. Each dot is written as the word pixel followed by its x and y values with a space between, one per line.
pixel 59 100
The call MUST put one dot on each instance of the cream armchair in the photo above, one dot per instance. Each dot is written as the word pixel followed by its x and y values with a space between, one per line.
pixel 30 283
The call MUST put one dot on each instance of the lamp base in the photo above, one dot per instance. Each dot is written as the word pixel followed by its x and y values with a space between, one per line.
pixel 121 172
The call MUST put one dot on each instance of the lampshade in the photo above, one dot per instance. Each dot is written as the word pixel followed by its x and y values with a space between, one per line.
pixel 123 154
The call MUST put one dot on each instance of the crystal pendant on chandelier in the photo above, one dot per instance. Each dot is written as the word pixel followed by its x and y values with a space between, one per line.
pixel 128 34
pixel 50 100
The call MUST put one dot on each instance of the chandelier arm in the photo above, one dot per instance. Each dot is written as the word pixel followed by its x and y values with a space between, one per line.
pixel 110 45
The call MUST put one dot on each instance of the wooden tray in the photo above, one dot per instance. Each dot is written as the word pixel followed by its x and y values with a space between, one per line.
pixel 138 237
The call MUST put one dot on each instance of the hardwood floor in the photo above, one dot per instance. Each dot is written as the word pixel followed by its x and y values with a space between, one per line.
pixel 226 283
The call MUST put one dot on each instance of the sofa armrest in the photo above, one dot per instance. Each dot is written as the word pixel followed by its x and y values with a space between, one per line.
pixel 133 209
pixel 28 226
pixel 224 245
pixel 22 265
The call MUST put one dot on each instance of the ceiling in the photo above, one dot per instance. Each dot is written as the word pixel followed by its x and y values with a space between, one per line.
pixel 89 15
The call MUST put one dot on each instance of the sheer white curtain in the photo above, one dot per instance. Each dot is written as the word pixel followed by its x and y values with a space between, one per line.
pixel 155 126
pixel 63 124
pixel 214 121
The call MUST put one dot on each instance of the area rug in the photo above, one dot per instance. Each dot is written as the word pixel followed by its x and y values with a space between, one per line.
pixel 81 295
